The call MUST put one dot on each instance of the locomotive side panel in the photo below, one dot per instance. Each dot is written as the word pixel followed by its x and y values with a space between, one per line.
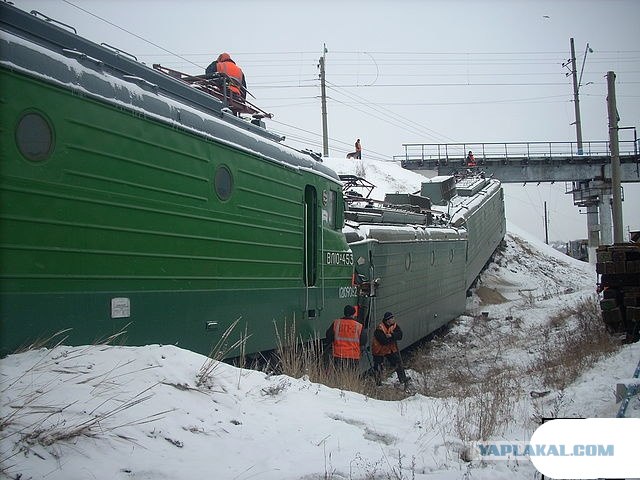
pixel 129 221
pixel 486 227
pixel 420 277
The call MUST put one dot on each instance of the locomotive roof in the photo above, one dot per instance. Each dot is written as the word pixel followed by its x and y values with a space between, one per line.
pixel 46 51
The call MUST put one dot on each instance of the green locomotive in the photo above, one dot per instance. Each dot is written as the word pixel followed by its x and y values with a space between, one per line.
pixel 130 200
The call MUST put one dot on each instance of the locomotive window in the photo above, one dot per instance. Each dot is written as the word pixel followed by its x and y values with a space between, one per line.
pixel 407 261
pixel 329 209
pixel 223 183
pixel 34 137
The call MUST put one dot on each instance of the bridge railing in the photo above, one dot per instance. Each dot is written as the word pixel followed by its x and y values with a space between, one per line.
pixel 512 150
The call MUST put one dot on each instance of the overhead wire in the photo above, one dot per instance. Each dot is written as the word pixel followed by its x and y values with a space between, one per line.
pixel 386 120
pixel 373 109
pixel 471 59
pixel 173 54
pixel 402 120
pixel 128 31
pixel 404 59
pixel 531 203
pixel 314 141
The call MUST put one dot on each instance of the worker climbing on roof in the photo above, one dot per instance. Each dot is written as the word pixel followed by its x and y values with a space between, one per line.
pixel 471 161
pixel 225 65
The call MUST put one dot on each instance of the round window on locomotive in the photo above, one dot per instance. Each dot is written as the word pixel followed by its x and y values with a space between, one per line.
pixel 407 261
pixel 223 182
pixel 34 137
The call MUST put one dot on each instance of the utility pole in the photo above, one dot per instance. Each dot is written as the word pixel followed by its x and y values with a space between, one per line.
pixel 546 225
pixel 615 158
pixel 325 134
pixel 576 100
pixel 593 227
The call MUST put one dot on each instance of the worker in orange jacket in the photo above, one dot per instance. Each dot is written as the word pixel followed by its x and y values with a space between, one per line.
pixel 347 336
pixel 385 347
pixel 471 160
pixel 224 64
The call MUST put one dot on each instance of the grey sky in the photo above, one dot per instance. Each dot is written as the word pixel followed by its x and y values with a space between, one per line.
pixel 403 71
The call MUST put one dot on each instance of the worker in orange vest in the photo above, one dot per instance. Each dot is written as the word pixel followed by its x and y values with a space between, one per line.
pixel 224 64
pixel 385 346
pixel 471 161
pixel 346 336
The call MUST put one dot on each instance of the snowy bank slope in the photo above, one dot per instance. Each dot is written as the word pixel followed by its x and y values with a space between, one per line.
pixel 388 177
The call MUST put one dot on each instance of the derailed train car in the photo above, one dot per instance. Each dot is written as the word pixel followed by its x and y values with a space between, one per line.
pixel 418 255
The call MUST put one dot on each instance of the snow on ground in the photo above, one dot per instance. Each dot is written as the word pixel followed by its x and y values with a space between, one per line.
pixel 106 412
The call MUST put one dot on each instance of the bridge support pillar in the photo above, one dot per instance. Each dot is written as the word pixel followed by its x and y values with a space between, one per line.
pixel 593 231
pixel 606 235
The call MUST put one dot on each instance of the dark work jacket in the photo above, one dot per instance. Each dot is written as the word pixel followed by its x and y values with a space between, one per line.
pixel 384 340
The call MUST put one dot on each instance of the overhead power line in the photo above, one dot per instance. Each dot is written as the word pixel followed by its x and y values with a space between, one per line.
pixel 392 116
pixel 127 31
pixel 456 84
pixel 420 69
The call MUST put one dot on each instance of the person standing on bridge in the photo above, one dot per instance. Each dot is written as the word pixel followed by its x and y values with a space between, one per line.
pixel 347 336
pixel 471 161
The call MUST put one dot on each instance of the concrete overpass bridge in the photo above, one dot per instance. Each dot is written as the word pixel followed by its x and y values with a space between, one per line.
pixel 586 172
pixel 520 162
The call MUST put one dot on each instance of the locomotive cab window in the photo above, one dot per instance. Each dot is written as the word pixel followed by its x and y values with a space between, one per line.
pixel 329 205
pixel 339 211
pixel 310 236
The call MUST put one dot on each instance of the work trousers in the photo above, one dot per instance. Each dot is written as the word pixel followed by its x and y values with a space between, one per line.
pixel 394 361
